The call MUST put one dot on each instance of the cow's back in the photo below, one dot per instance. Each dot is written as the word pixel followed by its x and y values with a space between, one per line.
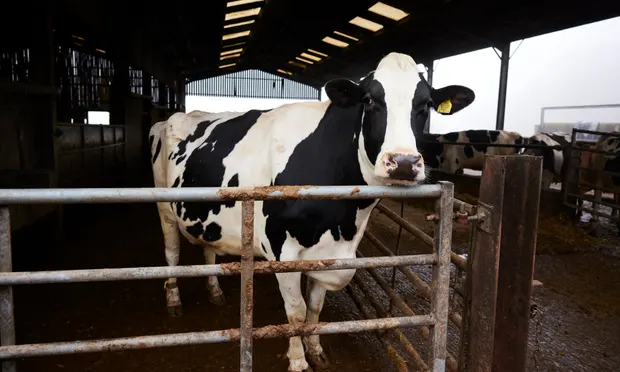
pixel 506 138
pixel 230 149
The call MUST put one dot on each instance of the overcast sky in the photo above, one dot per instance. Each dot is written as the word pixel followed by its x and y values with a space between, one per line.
pixel 577 66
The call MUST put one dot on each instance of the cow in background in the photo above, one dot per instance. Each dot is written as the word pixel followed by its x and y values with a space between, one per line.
pixel 553 159
pixel 453 159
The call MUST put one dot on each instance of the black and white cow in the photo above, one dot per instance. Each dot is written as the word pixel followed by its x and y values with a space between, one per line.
pixel 363 136
pixel 553 159
pixel 453 159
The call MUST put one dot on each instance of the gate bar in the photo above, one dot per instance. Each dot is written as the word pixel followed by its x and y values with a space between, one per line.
pixel 7 311
pixel 195 194
pixel 441 278
pixel 247 284
pixel 225 269
pixel 397 333
pixel 416 281
pixel 457 260
pixel 399 361
pixel 210 337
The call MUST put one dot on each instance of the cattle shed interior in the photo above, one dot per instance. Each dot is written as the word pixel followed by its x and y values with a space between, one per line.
pixel 60 60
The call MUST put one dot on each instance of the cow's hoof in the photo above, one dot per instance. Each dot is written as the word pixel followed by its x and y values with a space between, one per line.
pixel 218 300
pixel 175 311
pixel 320 362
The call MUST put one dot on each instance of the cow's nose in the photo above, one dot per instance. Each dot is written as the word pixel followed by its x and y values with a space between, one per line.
pixel 403 166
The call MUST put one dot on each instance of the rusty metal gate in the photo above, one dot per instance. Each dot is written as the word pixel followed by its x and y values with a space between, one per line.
pixel 490 306
pixel 588 171
pixel 435 322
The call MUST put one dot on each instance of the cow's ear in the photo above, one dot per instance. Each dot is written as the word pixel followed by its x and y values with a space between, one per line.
pixel 451 99
pixel 343 92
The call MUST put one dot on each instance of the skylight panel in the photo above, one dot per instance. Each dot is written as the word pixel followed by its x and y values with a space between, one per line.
pixel 236 35
pixel 304 60
pixel 230 56
pixel 242 14
pixel 232 51
pixel 335 42
pixel 239 23
pixel 347 36
pixel 317 53
pixel 364 23
pixel 233 45
pixel 284 72
pixel 228 65
pixel 388 11
pixel 241 2
pixel 310 56
pixel 296 64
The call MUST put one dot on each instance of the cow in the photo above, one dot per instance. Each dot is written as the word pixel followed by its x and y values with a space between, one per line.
pixel 363 135
pixel 553 159
pixel 593 164
pixel 453 159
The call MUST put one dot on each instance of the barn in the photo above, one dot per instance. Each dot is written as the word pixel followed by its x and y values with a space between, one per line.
pixel 461 273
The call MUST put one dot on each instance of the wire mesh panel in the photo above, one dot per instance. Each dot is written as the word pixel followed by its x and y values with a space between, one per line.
pixel 83 78
pixel 15 66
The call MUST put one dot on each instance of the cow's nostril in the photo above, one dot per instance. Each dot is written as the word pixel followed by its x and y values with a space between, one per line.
pixel 415 159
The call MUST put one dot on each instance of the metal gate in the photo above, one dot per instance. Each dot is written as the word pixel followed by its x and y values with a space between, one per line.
pixel 588 170
pixel 436 319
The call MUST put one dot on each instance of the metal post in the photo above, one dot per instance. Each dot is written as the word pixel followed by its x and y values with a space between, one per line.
pixel 7 318
pixel 427 126
pixel 516 264
pixel 503 86
pixel 482 271
pixel 441 278
pixel 247 284
pixel 570 170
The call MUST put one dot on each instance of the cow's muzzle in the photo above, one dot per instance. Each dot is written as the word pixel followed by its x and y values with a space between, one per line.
pixel 402 166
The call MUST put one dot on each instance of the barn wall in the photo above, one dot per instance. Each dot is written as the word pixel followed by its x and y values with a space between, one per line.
pixel 26 158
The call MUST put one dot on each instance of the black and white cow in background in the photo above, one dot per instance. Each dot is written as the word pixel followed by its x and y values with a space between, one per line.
pixel 453 159
pixel 553 159
pixel 365 135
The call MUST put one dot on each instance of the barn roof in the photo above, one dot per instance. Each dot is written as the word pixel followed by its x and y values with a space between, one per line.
pixel 306 41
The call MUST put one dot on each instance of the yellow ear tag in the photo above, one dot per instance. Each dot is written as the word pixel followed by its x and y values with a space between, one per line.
pixel 445 107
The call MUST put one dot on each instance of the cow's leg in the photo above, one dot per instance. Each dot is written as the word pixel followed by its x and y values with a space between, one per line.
pixel 213 285
pixel 295 306
pixel 315 295
pixel 172 242
pixel 547 180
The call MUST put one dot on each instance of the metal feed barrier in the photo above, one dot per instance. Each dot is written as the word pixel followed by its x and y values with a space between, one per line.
pixel 437 319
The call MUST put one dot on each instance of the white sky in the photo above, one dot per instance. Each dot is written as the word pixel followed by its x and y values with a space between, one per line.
pixel 576 66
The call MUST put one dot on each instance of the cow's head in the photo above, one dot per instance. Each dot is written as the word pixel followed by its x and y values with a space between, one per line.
pixel 395 102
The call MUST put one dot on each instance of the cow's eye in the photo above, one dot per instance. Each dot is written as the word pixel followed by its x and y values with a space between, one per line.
pixel 430 103
pixel 367 100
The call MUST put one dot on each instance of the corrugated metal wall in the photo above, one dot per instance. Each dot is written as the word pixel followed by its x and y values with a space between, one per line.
pixel 251 84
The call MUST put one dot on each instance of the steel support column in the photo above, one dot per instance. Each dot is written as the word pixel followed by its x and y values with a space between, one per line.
pixel 180 85
pixel 427 126
pixel 503 86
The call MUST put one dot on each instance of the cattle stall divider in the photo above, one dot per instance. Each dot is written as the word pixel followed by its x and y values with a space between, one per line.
pixel 572 195
pixel 436 319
